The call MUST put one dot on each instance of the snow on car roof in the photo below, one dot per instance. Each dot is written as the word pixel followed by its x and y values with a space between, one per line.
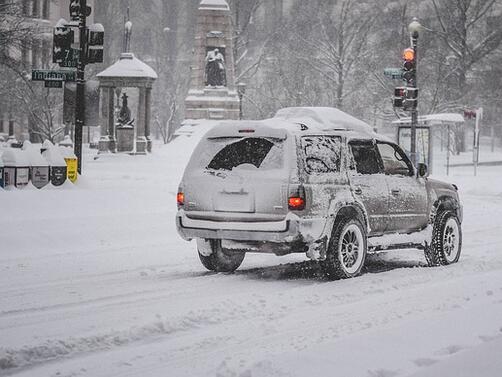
pixel 324 118
pixel 257 128
pixel 297 120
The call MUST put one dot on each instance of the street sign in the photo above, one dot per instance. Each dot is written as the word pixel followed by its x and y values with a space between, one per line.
pixel 53 83
pixel 71 58
pixel 47 74
pixel 393 73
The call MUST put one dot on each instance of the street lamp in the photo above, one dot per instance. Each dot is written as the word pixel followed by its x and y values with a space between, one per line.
pixel 414 28
pixel 241 89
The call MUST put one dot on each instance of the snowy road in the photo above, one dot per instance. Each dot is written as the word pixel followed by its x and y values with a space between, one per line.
pixel 94 281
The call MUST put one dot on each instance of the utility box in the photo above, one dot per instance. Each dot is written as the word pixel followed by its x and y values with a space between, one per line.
pixel 57 163
pixel 71 163
pixel 16 168
pixel 39 167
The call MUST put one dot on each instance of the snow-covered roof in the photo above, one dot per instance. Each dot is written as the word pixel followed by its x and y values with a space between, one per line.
pixel 325 119
pixel 128 66
pixel 214 5
pixel 434 118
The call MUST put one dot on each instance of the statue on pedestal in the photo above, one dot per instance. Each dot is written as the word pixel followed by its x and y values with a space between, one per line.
pixel 124 118
pixel 215 73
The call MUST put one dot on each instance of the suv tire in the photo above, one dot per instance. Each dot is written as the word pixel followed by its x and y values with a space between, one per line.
pixel 221 260
pixel 446 242
pixel 347 250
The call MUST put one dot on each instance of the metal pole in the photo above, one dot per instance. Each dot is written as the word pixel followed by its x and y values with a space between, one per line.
pixel 414 111
pixel 240 106
pixel 80 100
pixel 492 138
pixel 448 152
pixel 476 140
pixel 11 125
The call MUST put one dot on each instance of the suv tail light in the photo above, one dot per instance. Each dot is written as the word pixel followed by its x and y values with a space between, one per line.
pixel 180 199
pixel 296 200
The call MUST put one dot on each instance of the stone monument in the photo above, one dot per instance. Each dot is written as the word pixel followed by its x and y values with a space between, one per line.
pixel 125 128
pixel 127 72
pixel 212 93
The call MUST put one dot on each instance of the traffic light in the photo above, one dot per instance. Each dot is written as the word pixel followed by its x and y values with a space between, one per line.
pixel 96 40
pixel 62 41
pixel 75 10
pixel 399 95
pixel 470 114
pixel 409 66
pixel 411 101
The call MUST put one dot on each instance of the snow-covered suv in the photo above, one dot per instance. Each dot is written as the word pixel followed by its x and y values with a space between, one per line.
pixel 315 181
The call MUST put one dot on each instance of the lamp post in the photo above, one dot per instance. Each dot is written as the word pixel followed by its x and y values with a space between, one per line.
pixel 241 89
pixel 414 28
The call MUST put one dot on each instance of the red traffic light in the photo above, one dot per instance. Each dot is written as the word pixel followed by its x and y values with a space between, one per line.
pixel 470 114
pixel 400 91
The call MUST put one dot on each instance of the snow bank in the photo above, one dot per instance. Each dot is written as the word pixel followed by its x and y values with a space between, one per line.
pixel 52 154
pixel 34 155
pixel 15 157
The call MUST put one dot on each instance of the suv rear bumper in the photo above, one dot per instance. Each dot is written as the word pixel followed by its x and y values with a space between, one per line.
pixel 291 229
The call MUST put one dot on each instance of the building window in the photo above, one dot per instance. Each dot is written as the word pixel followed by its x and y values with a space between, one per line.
pixel 46 9
pixel 27 7
pixel 36 8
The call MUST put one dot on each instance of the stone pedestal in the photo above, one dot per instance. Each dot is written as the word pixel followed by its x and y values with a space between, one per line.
pixel 213 31
pixel 104 144
pixel 210 103
pixel 125 138
pixel 141 145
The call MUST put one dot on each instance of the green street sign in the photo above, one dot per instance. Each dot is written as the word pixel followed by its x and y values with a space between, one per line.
pixel 53 83
pixel 47 74
pixel 393 73
pixel 71 58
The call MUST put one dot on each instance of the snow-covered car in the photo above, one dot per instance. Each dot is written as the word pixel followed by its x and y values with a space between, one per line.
pixel 315 181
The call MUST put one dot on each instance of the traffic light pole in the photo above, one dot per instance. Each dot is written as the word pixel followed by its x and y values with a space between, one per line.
pixel 80 100
pixel 414 110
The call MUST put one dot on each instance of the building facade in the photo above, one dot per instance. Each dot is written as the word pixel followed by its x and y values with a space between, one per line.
pixel 40 16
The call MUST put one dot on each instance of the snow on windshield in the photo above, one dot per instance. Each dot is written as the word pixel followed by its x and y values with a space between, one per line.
pixel 249 153
pixel 322 154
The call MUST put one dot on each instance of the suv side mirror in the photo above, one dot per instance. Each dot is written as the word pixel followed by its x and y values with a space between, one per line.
pixel 422 171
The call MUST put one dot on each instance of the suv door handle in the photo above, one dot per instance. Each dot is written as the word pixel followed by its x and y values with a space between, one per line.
pixel 358 191
pixel 395 191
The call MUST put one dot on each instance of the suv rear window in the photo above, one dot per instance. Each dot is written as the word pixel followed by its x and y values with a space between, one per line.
pixel 322 154
pixel 259 152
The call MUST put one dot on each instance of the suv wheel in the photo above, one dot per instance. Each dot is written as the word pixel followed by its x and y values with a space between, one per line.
pixel 220 259
pixel 347 250
pixel 446 240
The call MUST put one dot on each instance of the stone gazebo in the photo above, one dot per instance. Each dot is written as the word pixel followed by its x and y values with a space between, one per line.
pixel 127 72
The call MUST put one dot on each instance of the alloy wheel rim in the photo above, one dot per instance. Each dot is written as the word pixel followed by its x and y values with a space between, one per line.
pixel 451 240
pixel 351 248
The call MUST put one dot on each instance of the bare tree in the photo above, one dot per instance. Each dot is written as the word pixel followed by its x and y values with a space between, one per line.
pixel 471 31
